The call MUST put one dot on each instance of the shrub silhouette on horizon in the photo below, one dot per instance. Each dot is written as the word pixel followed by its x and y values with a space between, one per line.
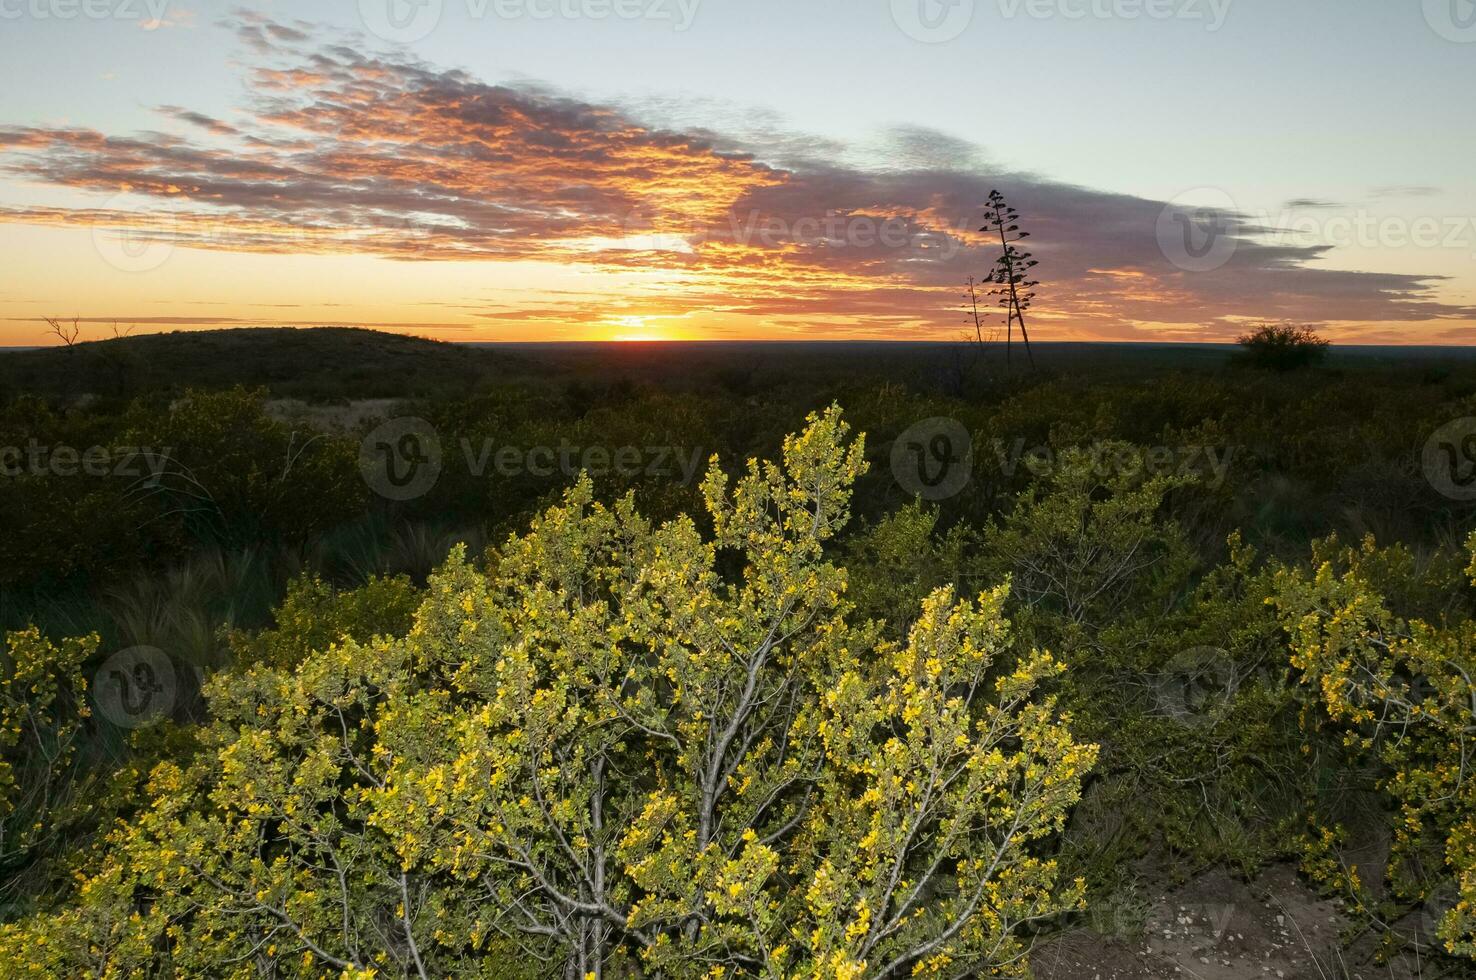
pixel 1282 347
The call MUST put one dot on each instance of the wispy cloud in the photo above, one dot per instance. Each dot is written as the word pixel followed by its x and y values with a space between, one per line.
pixel 1405 190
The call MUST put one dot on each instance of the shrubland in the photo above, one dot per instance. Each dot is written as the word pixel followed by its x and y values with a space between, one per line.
pixel 780 718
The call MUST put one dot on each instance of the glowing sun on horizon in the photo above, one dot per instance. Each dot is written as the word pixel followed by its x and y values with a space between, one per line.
pixel 635 329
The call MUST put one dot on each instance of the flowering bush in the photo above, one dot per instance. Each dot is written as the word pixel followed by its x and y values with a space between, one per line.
pixel 1401 691
pixel 623 748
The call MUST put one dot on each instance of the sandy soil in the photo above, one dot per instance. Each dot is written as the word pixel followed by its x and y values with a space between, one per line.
pixel 1219 928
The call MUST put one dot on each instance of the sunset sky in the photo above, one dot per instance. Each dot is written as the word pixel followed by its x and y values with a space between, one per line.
pixel 727 169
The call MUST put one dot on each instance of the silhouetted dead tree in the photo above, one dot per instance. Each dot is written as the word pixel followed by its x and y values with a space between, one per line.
pixel 973 297
pixel 113 357
pixel 67 333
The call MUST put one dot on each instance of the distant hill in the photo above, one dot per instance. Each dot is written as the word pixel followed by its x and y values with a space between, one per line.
pixel 319 361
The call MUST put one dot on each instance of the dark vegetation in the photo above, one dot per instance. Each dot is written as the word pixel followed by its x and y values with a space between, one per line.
pixel 1160 513
pixel 325 363
pixel 1282 347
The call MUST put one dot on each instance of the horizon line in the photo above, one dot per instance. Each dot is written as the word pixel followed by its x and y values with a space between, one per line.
pixel 771 342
